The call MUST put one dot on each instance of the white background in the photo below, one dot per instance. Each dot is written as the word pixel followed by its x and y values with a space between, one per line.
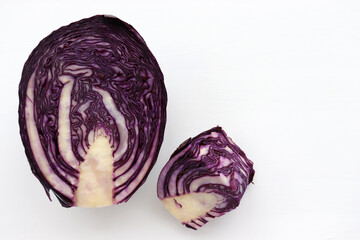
pixel 281 77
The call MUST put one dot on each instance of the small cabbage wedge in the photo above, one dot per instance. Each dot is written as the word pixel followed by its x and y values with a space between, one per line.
pixel 92 112
pixel 205 178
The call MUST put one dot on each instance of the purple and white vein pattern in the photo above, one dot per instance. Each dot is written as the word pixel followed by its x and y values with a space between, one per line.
pixel 209 163
pixel 95 77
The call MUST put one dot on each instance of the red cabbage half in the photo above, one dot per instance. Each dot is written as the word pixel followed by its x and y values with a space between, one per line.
pixel 92 112
pixel 205 178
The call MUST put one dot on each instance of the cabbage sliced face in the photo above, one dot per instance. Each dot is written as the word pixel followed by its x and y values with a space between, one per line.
pixel 92 112
pixel 205 178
